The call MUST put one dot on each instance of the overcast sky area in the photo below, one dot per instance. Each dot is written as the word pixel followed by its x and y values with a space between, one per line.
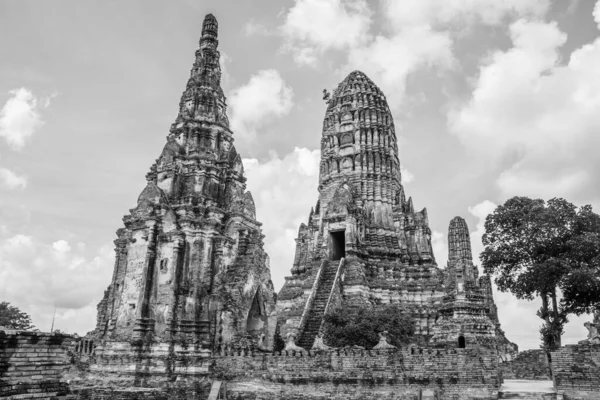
pixel 491 99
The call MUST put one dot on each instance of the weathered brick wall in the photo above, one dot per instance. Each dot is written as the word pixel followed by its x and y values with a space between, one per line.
pixel 186 390
pixel 529 364
pixel 171 373
pixel 360 374
pixel 32 364
pixel 576 371
pixel 139 370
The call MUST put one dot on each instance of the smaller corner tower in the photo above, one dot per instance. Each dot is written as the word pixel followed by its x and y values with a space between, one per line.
pixel 467 316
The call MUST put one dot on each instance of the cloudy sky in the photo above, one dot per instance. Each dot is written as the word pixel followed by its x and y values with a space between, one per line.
pixel 491 99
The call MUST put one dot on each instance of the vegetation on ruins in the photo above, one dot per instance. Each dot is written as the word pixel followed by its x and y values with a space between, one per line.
pixel 13 318
pixel 549 250
pixel 360 326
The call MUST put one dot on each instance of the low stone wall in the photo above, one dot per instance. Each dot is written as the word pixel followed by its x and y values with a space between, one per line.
pixel 528 364
pixel 32 364
pixel 173 371
pixel 576 371
pixel 145 370
pixel 360 374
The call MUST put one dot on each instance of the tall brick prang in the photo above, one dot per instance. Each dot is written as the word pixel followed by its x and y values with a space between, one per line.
pixel 190 265
pixel 363 234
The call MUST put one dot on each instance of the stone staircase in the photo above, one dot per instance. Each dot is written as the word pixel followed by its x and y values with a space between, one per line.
pixel 215 391
pixel 315 316
pixel 527 390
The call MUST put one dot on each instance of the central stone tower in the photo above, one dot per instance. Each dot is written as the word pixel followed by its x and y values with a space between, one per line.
pixel 364 242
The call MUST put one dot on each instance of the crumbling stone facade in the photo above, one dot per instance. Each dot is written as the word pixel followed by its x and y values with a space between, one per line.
pixel 191 300
pixel 353 374
pixel 191 274
pixel 467 316
pixel 365 243
pixel 528 364
pixel 190 264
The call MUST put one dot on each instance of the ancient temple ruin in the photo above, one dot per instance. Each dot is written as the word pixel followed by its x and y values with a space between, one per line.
pixel 191 272
pixel 364 243
pixel 190 265
pixel 191 313
pixel 467 315
pixel 363 232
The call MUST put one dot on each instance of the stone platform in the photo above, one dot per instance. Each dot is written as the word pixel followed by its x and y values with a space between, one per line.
pixel 527 389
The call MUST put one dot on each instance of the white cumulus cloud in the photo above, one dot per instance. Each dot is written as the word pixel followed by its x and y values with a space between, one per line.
pixel 19 118
pixel 264 97
pixel 313 27
pixel 480 211
pixel 284 190
pixel 596 13
pixel 536 118
pixel 37 275
pixel 252 28
pixel 440 248
pixel 460 12
pixel 420 33
pixel 11 180
pixel 388 60
pixel 407 176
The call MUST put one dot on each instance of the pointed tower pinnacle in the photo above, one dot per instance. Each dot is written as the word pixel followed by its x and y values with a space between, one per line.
pixel 210 31
pixel 459 241
pixel 203 98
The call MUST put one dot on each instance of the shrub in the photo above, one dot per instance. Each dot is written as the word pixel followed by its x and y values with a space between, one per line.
pixel 360 326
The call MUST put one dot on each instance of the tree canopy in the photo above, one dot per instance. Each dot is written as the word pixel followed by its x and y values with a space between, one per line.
pixel 13 318
pixel 361 326
pixel 544 249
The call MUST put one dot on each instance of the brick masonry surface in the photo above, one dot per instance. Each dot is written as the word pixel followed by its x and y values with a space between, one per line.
pixel 576 371
pixel 529 364
pixel 347 373
pixel 32 364
pixel 360 374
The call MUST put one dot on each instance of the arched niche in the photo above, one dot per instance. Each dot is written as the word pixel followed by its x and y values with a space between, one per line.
pixel 257 316
pixel 348 163
pixel 347 138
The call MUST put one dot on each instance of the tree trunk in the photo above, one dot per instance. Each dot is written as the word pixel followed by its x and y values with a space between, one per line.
pixel 546 316
pixel 544 297
pixel 557 337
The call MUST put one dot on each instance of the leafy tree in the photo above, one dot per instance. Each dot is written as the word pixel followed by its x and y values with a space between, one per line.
pixel 13 318
pixel 361 326
pixel 539 249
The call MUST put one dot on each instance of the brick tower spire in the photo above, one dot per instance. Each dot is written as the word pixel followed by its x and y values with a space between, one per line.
pixel 203 97
pixel 193 236
pixel 362 227
pixel 459 240
pixel 467 315
pixel 359 145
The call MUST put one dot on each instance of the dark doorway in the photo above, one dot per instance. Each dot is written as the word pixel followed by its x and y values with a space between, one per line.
pixel 461 342
pixel 338 245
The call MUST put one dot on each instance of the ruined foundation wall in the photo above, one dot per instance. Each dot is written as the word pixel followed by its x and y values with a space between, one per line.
pixel 529 364
pixel 32 364
pixel 360 374
pixel 576 371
